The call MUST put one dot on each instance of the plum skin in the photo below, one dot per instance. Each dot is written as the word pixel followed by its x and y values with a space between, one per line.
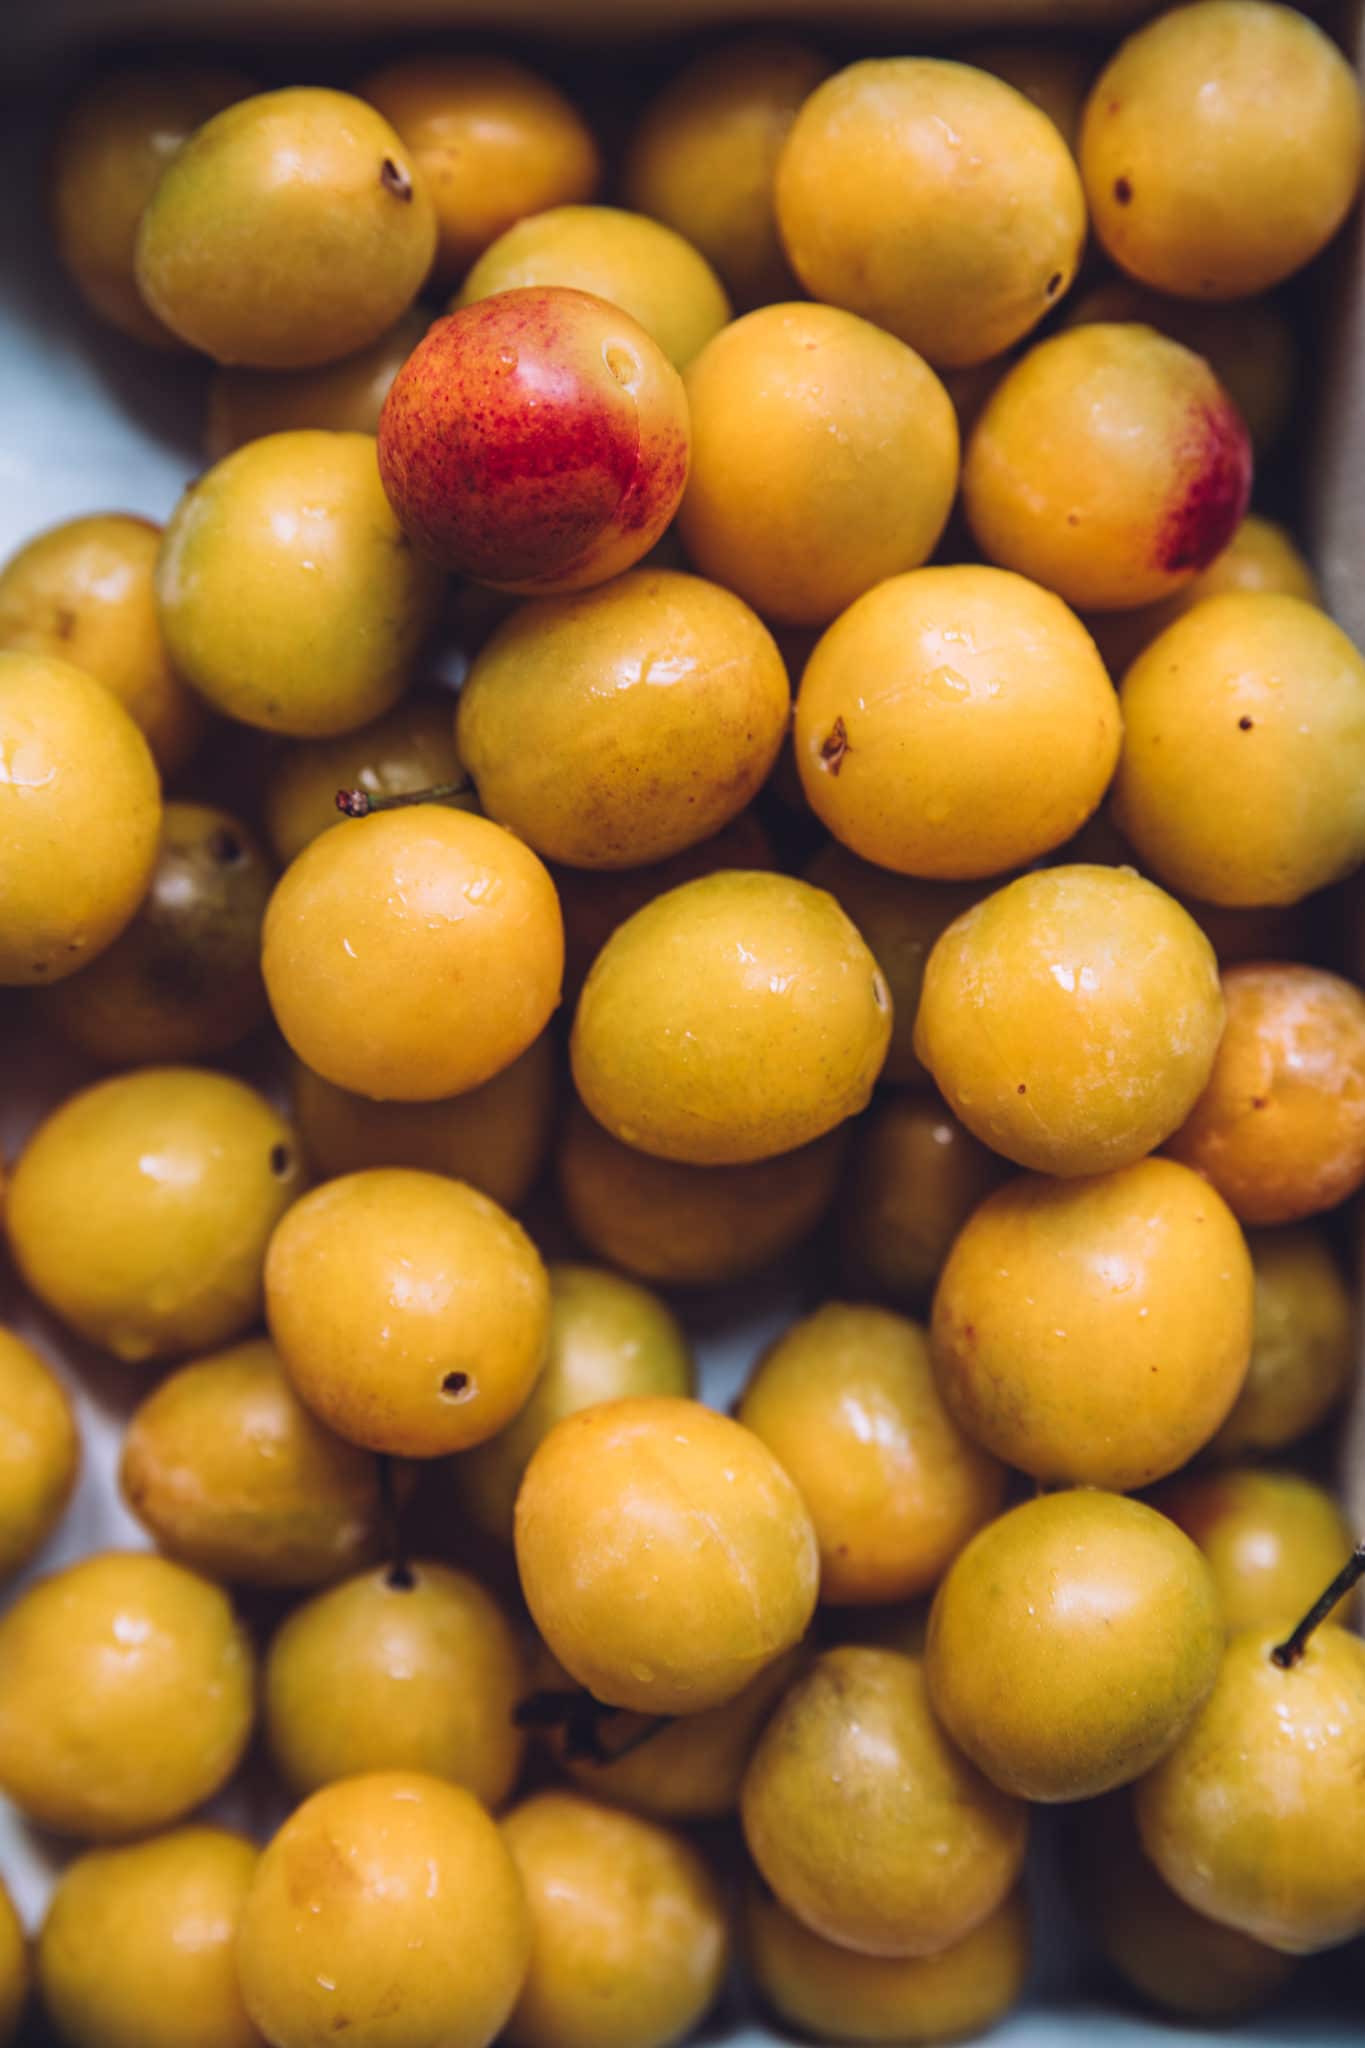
pixel 537 440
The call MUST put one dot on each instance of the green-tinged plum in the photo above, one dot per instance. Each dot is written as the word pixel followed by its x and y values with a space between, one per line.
pixel 1071 1644
pixel 288 596
pixel 1303 1344
pixel 866 1821
pixel 232 1475
pixel 291 229
pixel 183 980
pixel 1257 1816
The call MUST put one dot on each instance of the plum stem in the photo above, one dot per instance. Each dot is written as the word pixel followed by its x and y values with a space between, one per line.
pixel 399 1574
pixel 581 1718
pixel 358 803
pixel 1288 1653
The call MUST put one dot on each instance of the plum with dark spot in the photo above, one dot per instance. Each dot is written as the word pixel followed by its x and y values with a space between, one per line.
pixel 1221 148
pixel 1242 776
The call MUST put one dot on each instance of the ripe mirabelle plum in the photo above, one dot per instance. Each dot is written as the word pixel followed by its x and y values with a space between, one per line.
pixel 127 1693
pixel 617 1902
pixel 846 1402
pixel 413 954
pixel 616 726
pixel 1242 776
pixel 703 157
pixel 84 592
pixel 138 1946
pixel 737 1016
pixel 1145 1269
pixel 664 1554
pixel 141 1208
pixel 411 1312
pixel 1272 1539
pixel 638 264
pixel 292 228
pixel 182 981
pixel 116 139
pixel 984 680
pixel 494 140
pixel 1280 1128
pixel 1221 147
pixel 389 1901
pixel 233 1476
pixel 1109 464
pixel 691 1226
pixel 1302 1348
pixel 834 1994
pixel 1071 1643
pixel 413 1667
pixel 288 595
pixel 959 248
pixel 852 1782
pixel 1071 1018
pixel 80 817
pixel 824 458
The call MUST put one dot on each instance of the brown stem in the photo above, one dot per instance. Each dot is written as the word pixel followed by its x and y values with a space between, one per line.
pixel 1288 1653
pixel 581 1718
pixel 358 803
pixel 400 1575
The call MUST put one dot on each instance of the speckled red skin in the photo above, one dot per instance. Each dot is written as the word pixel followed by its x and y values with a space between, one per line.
pixel 511 453
pixel 1200 526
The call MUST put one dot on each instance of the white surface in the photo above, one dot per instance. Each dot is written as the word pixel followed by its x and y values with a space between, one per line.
pixel 89 423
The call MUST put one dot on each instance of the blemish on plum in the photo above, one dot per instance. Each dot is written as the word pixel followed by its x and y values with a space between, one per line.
pixel 281 1159
pixel 834 746
pixel 1123 191
pixel 395 179
pixel 455 1385
pixel 1244 724
pixel 226 848
pixel 1054 284
pixel 1217 451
